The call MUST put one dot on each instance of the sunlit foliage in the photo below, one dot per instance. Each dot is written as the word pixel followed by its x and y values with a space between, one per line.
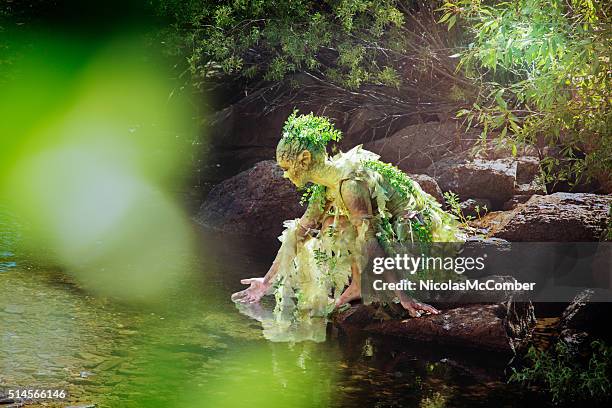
pixel 266 39
pixel 544 73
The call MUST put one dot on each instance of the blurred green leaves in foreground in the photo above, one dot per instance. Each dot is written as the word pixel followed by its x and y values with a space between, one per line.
pixel 94 146
pixel 92 149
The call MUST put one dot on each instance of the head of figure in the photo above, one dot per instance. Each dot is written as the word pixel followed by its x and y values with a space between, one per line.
pixel 301 152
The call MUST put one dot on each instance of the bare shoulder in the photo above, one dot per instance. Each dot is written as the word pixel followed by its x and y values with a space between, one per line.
pixel 354 188
pixel 356 196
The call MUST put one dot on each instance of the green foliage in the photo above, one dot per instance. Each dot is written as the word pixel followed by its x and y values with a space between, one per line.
pixel 402 185
pixel 543 69
pixel 310 131
pixel 565 378
pixel 454 205
pixel 323 259
pixel 399 180
pixel 269 39
pixel 421 232
pixel 437 400
pixel 386 235
pixel 314 194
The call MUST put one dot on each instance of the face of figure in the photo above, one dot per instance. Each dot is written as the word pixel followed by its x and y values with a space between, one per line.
pixel 296 170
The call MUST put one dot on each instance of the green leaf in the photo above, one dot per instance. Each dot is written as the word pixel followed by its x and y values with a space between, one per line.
pixel 504 132
pixel 500 100
pixel 445 17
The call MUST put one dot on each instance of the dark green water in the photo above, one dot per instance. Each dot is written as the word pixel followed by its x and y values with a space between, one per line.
pixel 193 348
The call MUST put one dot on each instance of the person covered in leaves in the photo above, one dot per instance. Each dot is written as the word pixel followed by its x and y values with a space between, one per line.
pixel 359 208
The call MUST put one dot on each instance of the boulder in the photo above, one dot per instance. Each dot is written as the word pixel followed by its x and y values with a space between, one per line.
pixel 527 169
pixel 493 180
pixel 515 201
pixel 415 147
pixel 588 313
pixel 529 189
pixel 430 186
pixel 242 135
pixel 559 217
pixel 585 319
pixel 364 125
pixel 503 327
pixel 528 180
pixel 254 202
pixel 502 150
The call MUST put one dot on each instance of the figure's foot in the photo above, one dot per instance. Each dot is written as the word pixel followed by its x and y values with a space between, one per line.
pixel 253 293
pixel 417 309
pixel 353 292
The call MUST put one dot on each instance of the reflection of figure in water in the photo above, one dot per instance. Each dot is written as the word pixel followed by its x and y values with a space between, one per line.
pixel 285 329
pixel 358 208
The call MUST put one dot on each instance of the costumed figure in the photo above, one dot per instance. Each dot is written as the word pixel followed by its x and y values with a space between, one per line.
pixel 359 208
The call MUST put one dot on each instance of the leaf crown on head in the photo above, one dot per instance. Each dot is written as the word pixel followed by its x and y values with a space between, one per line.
pixel 310 131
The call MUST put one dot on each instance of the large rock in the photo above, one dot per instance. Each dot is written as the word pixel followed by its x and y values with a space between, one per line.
pixel 491 152
pixel 430 186
pixel 516 200
pixel 588 312
pixel 248 131
pixel 501 328
pixel 528 180
pixel 527 169
pixel 254 202
pixel 585 319
pixel 242 135
pixel 416 147
pixel 559 217
pixel 364 125
pixel 478 178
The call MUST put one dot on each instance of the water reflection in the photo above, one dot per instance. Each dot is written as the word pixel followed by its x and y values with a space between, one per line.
pixel 192 348
pixel 285 328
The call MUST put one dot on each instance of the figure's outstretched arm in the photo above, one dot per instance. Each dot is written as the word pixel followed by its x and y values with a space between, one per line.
pixel 310 221
pixel 357 200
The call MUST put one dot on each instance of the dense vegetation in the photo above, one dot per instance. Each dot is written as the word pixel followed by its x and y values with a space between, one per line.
pixel 530 71
pixel 566 376
pixel 389 55
pixel 543 74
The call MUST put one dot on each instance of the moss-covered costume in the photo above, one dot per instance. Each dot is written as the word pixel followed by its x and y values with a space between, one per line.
pixel 320 267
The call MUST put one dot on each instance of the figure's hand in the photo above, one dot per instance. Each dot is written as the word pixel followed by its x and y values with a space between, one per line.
pixel 417 309
pixel 253 293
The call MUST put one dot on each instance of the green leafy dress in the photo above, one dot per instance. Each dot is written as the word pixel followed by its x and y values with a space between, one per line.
pixel 314 271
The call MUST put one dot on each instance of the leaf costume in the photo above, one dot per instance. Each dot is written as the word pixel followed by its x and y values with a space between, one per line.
pixel 319 267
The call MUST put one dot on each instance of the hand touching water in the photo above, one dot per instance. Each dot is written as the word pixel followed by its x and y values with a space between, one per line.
pixel 253 293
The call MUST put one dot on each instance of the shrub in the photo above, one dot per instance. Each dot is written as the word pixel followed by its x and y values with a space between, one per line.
pixel 543 70
pixel 565 377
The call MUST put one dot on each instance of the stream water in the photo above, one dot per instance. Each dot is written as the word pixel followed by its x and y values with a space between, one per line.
pixel 193 348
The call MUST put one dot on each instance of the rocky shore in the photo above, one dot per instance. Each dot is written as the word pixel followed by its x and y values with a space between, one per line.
pixel 500 192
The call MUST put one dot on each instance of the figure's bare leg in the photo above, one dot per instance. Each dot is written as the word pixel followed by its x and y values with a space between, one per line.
pixel 353 291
